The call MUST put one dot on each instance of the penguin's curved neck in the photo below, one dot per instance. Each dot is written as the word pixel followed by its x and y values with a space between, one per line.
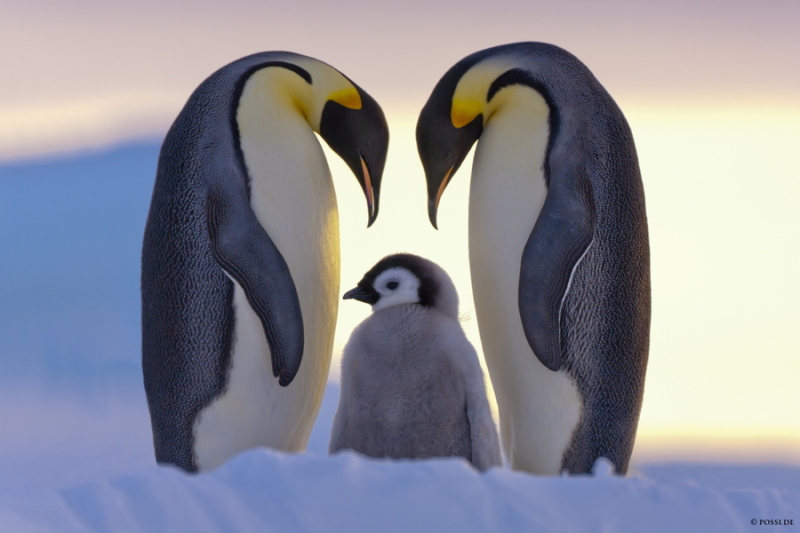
pixel 290 185
pixel 292 195
pixel 280 93
pixel 508 187
pixel 303 91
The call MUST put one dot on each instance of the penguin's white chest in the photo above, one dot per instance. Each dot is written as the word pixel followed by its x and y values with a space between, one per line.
pixel 539 408
pixel 292 196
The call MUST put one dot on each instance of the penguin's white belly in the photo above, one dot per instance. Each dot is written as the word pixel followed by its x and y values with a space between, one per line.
pixel 293 198
pixel 539 409
pixel 253 410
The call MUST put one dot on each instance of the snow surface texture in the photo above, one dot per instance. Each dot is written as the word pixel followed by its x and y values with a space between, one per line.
pixel 75 444
pixel 268 491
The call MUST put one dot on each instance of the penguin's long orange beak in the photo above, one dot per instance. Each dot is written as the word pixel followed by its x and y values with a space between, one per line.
pixel 369 192
pixel 433 203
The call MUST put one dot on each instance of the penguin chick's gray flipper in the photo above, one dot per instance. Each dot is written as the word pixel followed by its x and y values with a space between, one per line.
pixel 244 250
pixel 559 240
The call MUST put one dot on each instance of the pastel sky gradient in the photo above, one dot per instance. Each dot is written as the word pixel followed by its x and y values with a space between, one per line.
pixel 76 71
pixel 711 90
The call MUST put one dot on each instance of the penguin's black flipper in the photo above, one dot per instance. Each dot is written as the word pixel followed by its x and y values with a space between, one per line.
pixel 562 234
pixel 245 251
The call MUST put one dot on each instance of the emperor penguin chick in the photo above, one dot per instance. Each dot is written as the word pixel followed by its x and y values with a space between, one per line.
pixel 412 386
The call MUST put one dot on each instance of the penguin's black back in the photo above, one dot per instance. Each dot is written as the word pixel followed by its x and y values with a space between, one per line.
pixel 605 318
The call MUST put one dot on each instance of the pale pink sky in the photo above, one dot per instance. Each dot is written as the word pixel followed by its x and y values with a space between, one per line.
pixel 652 51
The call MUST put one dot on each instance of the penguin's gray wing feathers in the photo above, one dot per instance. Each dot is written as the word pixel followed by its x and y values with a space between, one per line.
pixel 562 234
pixel 483 432
pixel 247 254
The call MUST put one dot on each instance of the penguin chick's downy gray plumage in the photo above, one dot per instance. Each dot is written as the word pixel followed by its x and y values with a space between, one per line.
pixel 412 386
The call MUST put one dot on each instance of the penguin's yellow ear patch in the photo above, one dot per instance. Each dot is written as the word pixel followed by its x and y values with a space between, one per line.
pixel 464 111
pixel 347 97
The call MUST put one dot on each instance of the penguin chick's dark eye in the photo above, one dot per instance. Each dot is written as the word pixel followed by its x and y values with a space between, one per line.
pixel 392 285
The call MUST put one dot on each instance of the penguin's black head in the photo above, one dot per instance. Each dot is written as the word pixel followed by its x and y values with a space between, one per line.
pixel 360 136
pixel 406 279
pixel 445 135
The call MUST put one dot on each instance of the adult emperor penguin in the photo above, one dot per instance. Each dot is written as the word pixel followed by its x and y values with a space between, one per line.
pixel 558 249
pixel 240 265
pixel 412 386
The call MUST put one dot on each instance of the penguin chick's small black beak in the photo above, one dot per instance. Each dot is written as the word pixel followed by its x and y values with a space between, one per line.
pixel 362 295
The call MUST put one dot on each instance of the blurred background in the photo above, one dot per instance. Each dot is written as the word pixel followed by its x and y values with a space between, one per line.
pixel 711 90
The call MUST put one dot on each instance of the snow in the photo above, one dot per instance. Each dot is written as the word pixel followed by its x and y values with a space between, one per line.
pixel 75 444
pixel 263 490
pixel 87 466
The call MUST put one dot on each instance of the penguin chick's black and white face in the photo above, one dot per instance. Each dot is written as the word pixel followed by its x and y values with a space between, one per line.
pixel 406 279
pixel 396 286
